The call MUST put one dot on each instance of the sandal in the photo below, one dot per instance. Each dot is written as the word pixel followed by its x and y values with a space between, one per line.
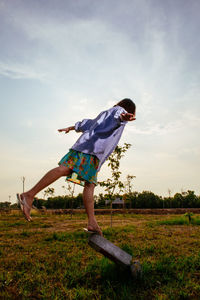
pixel 91 231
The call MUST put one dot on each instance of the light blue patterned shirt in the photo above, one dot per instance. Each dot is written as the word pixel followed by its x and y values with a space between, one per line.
pixel 100 135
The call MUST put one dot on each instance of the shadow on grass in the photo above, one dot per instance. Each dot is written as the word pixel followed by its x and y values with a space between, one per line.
pixel 167 273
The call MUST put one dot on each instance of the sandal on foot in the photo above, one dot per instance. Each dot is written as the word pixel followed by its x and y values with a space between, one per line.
pixel 90 231
pixel 23 203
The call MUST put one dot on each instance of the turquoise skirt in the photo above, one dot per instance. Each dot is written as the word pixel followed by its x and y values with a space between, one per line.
pixel 84 167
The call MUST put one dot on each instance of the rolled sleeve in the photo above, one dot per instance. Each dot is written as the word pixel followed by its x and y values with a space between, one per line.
pixel 83 125
pixel 77 127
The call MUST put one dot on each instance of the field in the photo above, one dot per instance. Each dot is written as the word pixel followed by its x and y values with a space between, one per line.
pixel 49 258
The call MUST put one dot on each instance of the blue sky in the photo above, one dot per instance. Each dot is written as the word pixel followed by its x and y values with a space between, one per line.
pixel 62 61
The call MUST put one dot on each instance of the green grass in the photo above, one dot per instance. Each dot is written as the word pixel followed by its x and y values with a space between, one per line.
pixel 50 259
pixel 180 221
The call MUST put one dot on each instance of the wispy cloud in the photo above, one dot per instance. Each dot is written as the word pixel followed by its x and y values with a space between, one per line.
pixel 187 120
pixel 156 129
pixel 20 71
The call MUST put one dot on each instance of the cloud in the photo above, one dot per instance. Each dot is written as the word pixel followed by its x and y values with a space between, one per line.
pixel 156 129
pixel 187 121
pixel 20 71
pixel 72 50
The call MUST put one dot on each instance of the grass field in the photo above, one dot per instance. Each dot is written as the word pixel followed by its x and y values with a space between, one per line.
pixel 49 258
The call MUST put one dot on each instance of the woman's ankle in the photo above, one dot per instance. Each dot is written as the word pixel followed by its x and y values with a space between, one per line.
pixel 92 220
pixel 28 196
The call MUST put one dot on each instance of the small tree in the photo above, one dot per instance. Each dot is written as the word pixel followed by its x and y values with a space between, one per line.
pixel 71 189
pixel 114 182
pixel 189 216
pixel 128 184
pixel 49 192
pixel 128 189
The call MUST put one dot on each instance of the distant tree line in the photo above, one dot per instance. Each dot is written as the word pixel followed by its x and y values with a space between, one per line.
pixel 145 199
pixel 64 202
pixel 148 199
pixel 8 205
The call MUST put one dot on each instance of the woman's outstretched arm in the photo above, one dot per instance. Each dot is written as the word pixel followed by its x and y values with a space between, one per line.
pixel 66 130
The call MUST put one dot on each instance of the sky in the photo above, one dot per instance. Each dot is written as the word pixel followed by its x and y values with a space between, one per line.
pixel 65 60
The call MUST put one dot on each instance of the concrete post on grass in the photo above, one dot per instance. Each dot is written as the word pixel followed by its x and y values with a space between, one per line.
pixel 116 254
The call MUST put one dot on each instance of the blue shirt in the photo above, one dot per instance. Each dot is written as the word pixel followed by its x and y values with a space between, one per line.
pixel 100 135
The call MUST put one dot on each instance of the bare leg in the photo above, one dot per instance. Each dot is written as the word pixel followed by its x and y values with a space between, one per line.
pixel 48 178
pixel 88 200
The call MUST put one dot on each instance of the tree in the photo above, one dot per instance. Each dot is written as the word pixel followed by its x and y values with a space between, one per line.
pixel 128 190
pixel 189 216
pixel 128 186
pixel 178 200
pixel 71 188
pixel 5 205
pixel 49 192
pixel 190 199
pixel 114 182
pixel 148 199
pixel 39 203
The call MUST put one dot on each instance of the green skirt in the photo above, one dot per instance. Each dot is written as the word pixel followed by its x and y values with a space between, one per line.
pixel 84 167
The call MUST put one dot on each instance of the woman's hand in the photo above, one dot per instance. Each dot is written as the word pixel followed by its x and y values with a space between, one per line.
pixel 66 130
pixel 127 117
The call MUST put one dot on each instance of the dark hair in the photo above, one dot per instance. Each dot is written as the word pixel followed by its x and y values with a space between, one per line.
pixel 128 105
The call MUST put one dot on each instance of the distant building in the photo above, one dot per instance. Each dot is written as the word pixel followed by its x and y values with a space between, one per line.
pixel 107 202
pixel 118 203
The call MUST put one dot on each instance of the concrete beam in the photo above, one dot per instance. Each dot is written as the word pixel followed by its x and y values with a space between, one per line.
pixel 114 253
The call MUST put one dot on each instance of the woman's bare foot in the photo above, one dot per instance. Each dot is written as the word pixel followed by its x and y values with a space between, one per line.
pixel 93 226
pixel 25 203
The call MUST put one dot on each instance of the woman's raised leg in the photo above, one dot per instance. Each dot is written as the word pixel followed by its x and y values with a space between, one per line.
pixel 88 200
pixel 48 178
